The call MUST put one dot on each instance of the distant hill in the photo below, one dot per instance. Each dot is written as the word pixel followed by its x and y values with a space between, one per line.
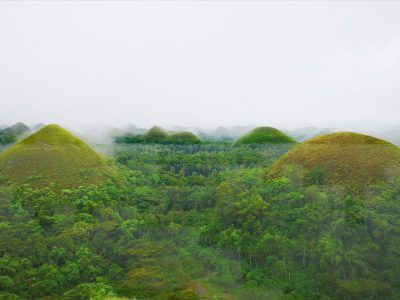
pixel 351 160
pixel 11 134
pixel 265 135
pixel 222 134
pixel 155 135
pixel 54 155
pixel 232 133
pixel 306 133
pixel 210 137
pixel 183 137
pixel 158 135
pixel 38 126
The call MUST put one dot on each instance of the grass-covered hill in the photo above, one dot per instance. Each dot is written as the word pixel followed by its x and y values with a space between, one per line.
pixel 54 155
pixel 155 134
pixel 159 136
pixel 265 135
pixel 10 134
pixel 348 159
pixel 183 137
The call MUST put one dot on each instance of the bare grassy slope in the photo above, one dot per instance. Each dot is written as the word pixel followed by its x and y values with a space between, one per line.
pixel 54 155
pixel 348 159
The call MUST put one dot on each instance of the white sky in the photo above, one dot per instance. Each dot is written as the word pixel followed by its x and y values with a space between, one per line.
pixel 200 63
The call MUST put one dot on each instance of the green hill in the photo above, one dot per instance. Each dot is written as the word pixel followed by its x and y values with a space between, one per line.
pixel 54 155
pixel 155 134
pixel 265 135
pixel 12 133
pixel 158 135
pixel 349 159
pixel 183 137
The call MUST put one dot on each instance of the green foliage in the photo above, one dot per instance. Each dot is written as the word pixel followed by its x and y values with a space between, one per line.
pixel 183 137
pixel 92 291
pixel 159 136
pixel 311 242
pixel 12 133
pixel 155 134
pixel 199 221
pixel 265 135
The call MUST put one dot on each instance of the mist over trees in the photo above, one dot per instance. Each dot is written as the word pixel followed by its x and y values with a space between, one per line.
pixel 199 150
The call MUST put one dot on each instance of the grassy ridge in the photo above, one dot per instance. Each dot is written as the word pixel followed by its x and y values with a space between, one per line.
pixel 265 135
pixel 348 159
pixel 54 155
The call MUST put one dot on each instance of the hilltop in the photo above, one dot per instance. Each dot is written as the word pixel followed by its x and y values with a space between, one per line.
pixel 54 155
pixel 183 137
pixel 348 159
pixel 265 135
pixel 155 135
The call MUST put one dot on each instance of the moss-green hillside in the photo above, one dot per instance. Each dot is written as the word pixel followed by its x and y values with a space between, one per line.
pixel 265 135
pixel 155 134
pixel 183 137
pixel 348 159
pixel 54 155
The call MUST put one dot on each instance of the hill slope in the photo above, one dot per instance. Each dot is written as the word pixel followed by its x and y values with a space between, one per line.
pixel 344 158
pixel 54 155
pixel 265 135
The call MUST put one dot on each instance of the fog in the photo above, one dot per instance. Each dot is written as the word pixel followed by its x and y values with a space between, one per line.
pixel 287 64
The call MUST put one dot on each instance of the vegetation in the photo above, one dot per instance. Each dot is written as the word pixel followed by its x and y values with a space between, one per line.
pixel 158 135
pixel 12 133
pixel 351 160
pixel 200 221
pixel 54 155
pixel 183 137
pixel 155 135
pixel 265 135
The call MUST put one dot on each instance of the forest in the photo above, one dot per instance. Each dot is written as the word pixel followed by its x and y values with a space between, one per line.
pixel 197 220
pixel 199 150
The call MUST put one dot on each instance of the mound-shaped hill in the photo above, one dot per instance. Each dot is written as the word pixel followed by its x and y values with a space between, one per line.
pixel 155 134
pixel 265 135
pixel 351 160
pixel 12 133
pixel 183 137
pixel 158 135
pixel 54 155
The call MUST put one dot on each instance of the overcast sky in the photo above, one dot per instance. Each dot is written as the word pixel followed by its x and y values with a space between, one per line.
pixel 201 63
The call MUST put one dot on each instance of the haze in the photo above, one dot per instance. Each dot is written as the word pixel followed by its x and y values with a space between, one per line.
pixel 201 63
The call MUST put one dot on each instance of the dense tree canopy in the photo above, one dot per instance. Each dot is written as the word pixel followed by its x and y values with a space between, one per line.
pixel 197 221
